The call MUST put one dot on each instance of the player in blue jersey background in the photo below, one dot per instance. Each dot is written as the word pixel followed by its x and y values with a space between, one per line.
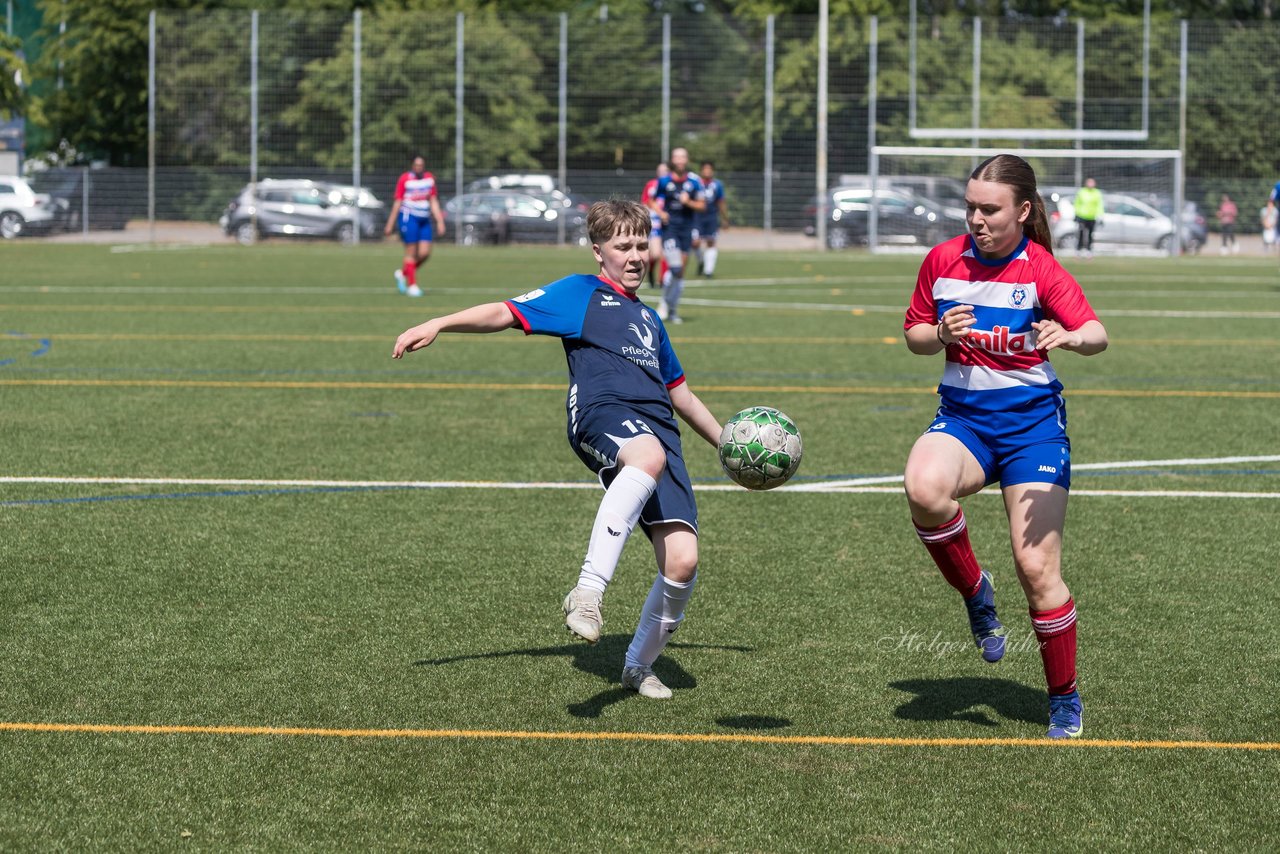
pixel 678 199
pixel 625 388
pixel 707 224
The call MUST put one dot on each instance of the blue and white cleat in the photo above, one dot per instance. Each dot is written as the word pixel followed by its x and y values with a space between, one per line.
pixel 414 291
pixel 401 285
pixel 1066 716
pixel 988 632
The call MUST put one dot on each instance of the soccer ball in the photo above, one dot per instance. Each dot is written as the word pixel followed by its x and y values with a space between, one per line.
pixel 760 448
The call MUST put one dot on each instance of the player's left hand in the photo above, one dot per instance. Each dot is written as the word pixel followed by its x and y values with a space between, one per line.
pixel 414 339
pixel 1051 334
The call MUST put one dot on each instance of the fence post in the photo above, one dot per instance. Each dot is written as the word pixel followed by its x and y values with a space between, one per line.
pixel 458 67
pixel 820 228
pixel 563 136
pixel 253 121
pixel 768 124
pixel 1179 176
pixel 1080 99
pixel 84 201
pixel 151 126
pixel 873 83
pixel 355 127
pixel 666 88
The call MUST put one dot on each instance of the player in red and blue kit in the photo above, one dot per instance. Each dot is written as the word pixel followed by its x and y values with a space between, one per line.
pixel 416 204
pixel 625 388
pixel 997 302
pixel 681 199
pixel 647 196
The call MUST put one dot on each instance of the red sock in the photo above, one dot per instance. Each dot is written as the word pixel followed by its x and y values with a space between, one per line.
pixel 949 546
pixel 1056 631
pixel 410 271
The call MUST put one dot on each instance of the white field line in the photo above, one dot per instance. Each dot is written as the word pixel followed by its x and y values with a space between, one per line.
pixel 897 309
pixel 867 485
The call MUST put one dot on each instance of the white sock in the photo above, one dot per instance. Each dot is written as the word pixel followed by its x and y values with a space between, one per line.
pixel 709 260
pixel 663 610
pixel 615 520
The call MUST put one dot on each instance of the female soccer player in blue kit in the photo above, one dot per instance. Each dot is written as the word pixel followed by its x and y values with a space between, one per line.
pixel 997 302
pixel 625 387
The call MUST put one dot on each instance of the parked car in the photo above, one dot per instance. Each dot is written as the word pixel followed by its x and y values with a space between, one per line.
pixel 302 208
pixel 24 211
pixel 1195 228
pixel 510 217
pixel 537 184
pixel 905 219
pixel 108 197
pixel 1126 221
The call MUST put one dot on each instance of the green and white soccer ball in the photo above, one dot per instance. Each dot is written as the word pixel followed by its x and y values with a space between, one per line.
pixel 760 448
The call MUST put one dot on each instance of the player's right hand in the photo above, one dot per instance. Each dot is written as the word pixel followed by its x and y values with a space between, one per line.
pixel 955 323
pixel 414 339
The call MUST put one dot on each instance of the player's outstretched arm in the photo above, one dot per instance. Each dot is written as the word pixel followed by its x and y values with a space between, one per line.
pixel 695 413
pixel 490 317
pixel 438 213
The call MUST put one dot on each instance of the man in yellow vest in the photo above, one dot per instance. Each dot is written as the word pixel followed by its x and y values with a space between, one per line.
pixel 1088 205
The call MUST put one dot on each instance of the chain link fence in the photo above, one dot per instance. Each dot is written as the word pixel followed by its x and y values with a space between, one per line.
pixel 596 100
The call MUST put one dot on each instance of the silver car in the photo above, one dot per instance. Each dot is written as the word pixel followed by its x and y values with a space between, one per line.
pixel 1126 221
pixel 301 208
pixel 24 211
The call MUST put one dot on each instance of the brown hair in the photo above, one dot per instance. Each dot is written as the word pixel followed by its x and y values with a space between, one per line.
pixel 1017 174
pixel 617 216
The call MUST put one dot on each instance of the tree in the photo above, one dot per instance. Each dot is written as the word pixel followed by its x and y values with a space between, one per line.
pixel 14 77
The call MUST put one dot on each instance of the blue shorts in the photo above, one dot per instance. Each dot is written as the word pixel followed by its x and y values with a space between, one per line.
pixel 599 436
pixel 707 226
pixel 414 229
pixel 1025 445
pixel 678 236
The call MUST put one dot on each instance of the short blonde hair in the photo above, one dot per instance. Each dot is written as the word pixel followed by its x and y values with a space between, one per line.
pixel 617 216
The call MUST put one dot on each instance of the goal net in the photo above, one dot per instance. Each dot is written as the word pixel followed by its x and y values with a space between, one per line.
pixel 916 197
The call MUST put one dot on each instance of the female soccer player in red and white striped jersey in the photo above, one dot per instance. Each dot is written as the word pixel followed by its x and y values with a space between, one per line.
pixel 997 303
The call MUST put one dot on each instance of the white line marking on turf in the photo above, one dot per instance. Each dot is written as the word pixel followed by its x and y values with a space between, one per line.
pixel 898 309
pixel 861 485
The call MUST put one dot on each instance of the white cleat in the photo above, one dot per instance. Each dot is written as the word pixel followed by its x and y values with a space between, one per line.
pixel 582 614
pixel 642 681
pixel 414 291
pixel 662 309
pixel 401 285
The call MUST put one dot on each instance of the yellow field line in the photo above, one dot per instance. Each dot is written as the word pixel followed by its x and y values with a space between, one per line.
pixel 705 738
pixel 745 389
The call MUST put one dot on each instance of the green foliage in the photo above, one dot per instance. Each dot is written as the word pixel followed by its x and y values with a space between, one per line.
pixel 14 77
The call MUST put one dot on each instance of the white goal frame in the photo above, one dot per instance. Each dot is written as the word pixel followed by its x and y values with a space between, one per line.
pixel 981 153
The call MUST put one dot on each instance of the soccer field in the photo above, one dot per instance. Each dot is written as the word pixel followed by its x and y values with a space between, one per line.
pixel 264 587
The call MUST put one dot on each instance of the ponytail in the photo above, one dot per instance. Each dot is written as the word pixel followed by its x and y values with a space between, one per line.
pixel 1037 225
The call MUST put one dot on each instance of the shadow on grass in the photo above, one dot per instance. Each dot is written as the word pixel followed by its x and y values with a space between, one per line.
pixel 962 698
pixel 602 659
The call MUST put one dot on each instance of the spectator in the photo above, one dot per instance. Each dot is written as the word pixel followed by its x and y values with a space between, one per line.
pixel 1227 213
pixel 1088 205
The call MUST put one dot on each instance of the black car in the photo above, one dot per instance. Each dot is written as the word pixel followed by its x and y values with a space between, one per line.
pixel 905 219
pixel 510 217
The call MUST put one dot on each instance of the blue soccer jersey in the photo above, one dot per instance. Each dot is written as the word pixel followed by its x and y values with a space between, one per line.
pixel 670 189
pixel 617 348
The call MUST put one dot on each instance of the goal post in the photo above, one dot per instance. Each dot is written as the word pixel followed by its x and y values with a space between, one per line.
pixel 1142 192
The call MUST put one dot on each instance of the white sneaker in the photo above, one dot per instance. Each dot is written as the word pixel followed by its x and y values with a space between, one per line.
pixel 414 291
pixel 662 309
pixel 642 681
pixel 582 614
pixel 675 320
pixel 401 285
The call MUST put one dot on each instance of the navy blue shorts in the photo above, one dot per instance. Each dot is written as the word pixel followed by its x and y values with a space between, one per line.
pixel 707 225
pixel 1025 445
pixel 678 236
pixel 414 229
pixel 599 437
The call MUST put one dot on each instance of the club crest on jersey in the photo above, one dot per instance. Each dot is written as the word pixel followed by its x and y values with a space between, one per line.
pixel 1018 296
pixel 645 335
pixel 646 317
